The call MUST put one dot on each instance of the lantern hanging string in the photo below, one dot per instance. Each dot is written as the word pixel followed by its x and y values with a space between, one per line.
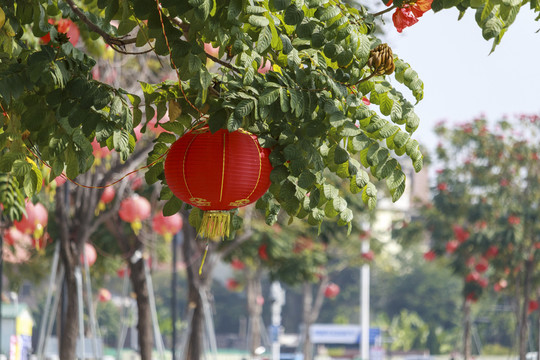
pixel 102 186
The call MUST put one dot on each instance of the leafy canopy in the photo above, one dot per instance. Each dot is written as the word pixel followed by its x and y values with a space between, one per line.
pixel 310 108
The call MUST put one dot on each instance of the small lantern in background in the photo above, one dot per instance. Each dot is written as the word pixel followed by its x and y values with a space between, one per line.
pixel 167 226
pixel 133 210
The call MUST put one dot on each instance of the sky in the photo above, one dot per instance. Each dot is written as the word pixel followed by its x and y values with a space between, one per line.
pixel 461 78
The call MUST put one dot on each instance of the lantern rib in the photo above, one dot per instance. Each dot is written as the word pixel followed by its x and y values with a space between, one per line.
pixel 184 166
pixel 222 169
pixel 260 166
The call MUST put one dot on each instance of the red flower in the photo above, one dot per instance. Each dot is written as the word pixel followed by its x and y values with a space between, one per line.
pixel 504 182
pixel 474 276
pixel 471 297
pixel 451 246
pixel 366 101
pixel 533 305
pixel 263 254
pixel 232 285
pixel 482 265
pixel 483 282
pixel 237 264
pixel 514 220
pixel 402 18
pixel 461 234
pixel 491 252
pixel 442 186
pixel 430 255
pixel 368 255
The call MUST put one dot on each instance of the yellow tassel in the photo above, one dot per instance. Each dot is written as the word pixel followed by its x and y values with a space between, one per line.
pixel 136 226
pixel 203 259
pixel 215 224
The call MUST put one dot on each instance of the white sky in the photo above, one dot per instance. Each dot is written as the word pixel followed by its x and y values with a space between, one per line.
pixel 461 79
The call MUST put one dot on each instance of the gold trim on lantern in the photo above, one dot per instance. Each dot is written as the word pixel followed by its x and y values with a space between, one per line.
pixel 199 202
pixel 241 202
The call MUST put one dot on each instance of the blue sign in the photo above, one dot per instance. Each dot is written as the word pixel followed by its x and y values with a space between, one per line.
pixel 340 334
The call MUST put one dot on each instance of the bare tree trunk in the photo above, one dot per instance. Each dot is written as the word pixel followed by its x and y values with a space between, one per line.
pixel 311 310
pixel 523 323
pixel 129 244
pixel 538 326
pixel 254 292
pixel 466 330
pixel 191 249
pixel 144 324
pixel 69 254
pixel 307 348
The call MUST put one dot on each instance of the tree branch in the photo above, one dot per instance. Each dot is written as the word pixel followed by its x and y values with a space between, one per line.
pixel 384 11
pixel 111 40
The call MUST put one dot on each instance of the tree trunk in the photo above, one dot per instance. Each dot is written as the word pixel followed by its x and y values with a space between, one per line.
pixel 254 292
pixel 144 324
pixel 70 327
pixel 192 250
pixel 307 348
pixel 69 255
pixel 129 244
pixel 311 310
pixel 538 327
pixel 523 323
pixel 466 330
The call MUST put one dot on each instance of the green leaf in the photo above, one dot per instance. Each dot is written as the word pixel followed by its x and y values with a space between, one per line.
pixel 244 108
pixel 268 96
pixel 344 58
pixel 172 206
pixel 258 21
pixel 330 191
pixel 293 15
pixel 120 140
pixel 21 168
pixel 385 104
pixel 264 41
pixel 306 180
pixel 340 155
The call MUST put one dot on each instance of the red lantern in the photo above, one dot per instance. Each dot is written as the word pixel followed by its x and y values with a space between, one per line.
pixel 331 290
pixel 106 197
pixel 167 226
pixel 34 221
pixel 89 253
pixel 216 173
pixel 104 295
pixel 232 285
pixel 133 210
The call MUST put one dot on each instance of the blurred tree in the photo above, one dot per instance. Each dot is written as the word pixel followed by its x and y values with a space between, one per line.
pixel 483 219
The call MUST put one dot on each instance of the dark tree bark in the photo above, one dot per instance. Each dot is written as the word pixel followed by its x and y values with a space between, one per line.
pixel 254 291
pixel 311 311
pixel 131 245
pixel 466 330
pixel 144 324
pixel 192 250
pixel 523 324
